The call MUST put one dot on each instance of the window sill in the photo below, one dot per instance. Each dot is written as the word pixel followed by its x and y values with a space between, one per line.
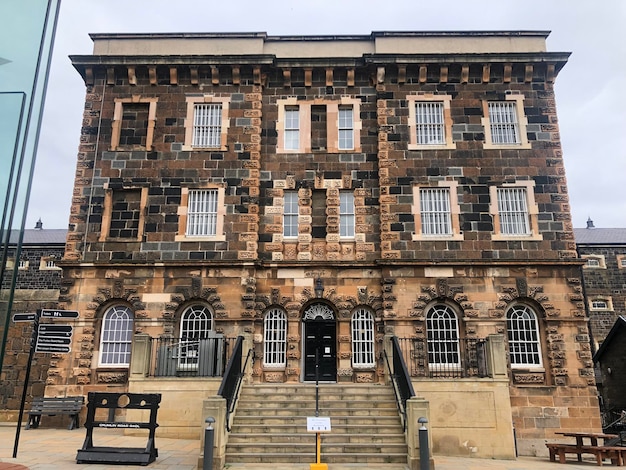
pixel 519 146
pixel 498 237
pixel 431 147
pixel 192 238
pixel 437 238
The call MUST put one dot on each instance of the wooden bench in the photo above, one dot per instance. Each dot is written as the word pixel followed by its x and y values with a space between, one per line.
pixel 617 455
pixel 52 406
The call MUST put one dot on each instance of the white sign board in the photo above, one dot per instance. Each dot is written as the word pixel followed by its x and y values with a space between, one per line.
pixel 318 424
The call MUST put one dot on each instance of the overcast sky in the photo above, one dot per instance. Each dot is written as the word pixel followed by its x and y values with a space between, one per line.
pixel 591 97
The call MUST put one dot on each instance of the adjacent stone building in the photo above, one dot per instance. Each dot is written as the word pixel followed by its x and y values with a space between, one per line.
pixel 37 286
pixel 318 194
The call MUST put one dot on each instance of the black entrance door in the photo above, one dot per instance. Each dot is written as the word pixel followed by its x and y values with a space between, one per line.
pixel 320 337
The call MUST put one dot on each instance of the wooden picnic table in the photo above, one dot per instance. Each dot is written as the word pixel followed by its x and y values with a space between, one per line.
pixel 600 452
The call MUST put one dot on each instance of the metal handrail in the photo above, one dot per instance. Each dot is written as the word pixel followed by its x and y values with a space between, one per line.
pixel 400 379
pixel 233 377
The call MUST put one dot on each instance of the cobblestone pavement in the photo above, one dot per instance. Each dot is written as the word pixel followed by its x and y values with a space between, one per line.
pixel 55 449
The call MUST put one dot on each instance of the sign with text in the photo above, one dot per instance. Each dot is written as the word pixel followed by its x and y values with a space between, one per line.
pixel 17 317
pixel 45 313
pixel 54 338
pixel 318 424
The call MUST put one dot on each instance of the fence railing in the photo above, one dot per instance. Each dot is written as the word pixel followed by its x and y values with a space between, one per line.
pixel 233 376
pixel 458 358
pixel 402 386
pixel 190 357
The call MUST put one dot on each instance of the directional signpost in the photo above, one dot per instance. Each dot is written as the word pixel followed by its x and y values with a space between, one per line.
pixel 54 339
pixel 17 317
pixel 47 313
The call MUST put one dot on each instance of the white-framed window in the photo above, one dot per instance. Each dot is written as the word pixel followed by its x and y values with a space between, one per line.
pixel 275 338
pixel 594 261
pixel 207 125
pixel 523 337
pixel 505 123
pixel 292 128
pixel 206 122
pixel 601 303
pixel 430 122
pixel 435 211
pixel 346 128
pixel 116 337
pixel 23 264
pixel 318 125
pixel 346 214
pixel 202 213
pixel 514 211
pixel 362 327
pixel 621 261
pixel 195 324
pixel 290 214
pixel 429 125
pixel 442 337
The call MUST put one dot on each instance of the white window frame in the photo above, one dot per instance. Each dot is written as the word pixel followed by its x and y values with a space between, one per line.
pixel 513 211
pixel 290 214
pixel 218 127
pixel 275 338
pixel 345 140
pixel 442 339
pixel 450 212
pixel 347 217
pixel 594 261
pixel 504 214
pixel 334 125
pixel 524 340
pixel 116 337
pixel 211 217
pixel 418 125
pixel 435 211
pixel 621 261
pixel 207 125
pixel 601 304
pixel 195 324
pixel 362 331
pixel 516 120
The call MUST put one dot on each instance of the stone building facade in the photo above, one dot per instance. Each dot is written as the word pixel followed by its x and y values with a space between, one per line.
pixel 318 193
pixel 37 285
pixel 604 273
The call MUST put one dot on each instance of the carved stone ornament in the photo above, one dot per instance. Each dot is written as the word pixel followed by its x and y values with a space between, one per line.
pixel 319 310
pixel 528 378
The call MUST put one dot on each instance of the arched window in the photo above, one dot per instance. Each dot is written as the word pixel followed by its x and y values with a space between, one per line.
pixel 442 329
pixel 275 338
pixel 362 338
pixel 523 335
pixel 116 338
pixel 195 324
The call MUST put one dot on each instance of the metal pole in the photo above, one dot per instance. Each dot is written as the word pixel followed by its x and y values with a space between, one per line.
pixel 209 437
pixel 423 441
pixel 317 381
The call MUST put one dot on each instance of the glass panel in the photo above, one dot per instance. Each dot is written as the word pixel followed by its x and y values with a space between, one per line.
pixel 275 338
pixel 290 214
pixel 362 339
pixel 346 214
pixel 116 338
pixel 442 337
pixel 503 122
pixel 292 128
pixel 207 126
pixel 523 335
pixel 346 129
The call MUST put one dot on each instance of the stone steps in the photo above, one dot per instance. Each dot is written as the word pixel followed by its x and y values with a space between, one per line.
pixel 270 425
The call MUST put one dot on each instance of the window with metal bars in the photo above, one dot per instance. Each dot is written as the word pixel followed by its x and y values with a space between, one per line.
pixel 523 335
pixel 290 214
pixel 442 336
pixel 346 214
pixel 195 324
pixel 362 338
pixel 513 211
pixel 292 128
pixel 116 337
pixel 346 128
pixel 435 211
pixel 207 125
pixel 275 338
pixel 599 305
pixel 202 212
pixel 429 123
pixel 503 122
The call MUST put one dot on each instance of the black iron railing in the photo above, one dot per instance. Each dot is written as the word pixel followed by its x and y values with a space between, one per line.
pixel 401 381
pixel 456 358
pixel 189 357
pixel 233 376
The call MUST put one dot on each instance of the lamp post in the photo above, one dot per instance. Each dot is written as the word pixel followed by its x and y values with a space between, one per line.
pixel 319 287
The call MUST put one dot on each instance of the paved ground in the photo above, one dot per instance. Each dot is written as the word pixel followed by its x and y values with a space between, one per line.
pixel 55 449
